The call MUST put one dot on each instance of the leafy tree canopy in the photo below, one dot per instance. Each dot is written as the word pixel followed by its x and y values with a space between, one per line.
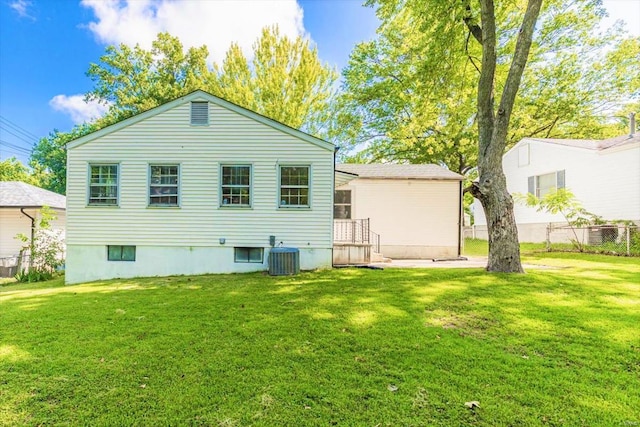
pixel 285 80
pixel 410 95
pixel 12 169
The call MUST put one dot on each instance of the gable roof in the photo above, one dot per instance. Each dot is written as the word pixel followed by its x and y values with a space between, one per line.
pixel 200 95
pixel 396 171
pixel 591 144
pixel 14 194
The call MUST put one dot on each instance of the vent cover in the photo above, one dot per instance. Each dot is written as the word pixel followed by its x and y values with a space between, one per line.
pixel 199 113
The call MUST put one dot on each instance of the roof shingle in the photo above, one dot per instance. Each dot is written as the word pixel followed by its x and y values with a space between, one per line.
pixel 21 195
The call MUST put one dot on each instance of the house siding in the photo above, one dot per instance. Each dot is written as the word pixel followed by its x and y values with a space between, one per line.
pixel 414 218
pixel 199 221
pixel 606 182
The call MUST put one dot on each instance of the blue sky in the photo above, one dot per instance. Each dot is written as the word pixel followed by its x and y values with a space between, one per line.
pixel 46 46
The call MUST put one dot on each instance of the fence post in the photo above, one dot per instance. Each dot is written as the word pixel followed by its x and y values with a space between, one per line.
pixel 549 237
pixel 628 233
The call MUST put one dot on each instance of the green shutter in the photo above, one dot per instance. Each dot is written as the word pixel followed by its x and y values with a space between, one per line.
pixel 560 179
pixel 532 185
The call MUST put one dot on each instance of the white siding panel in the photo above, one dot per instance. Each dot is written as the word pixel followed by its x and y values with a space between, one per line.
pixel 199 221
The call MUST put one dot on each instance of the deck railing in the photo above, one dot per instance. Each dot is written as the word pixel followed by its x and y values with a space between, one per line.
pixel 356 231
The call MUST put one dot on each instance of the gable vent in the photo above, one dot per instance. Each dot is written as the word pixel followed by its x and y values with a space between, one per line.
pixel 199 113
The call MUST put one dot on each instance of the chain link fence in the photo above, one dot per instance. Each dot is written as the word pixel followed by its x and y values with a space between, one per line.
pixel 614 239
pixel 611 239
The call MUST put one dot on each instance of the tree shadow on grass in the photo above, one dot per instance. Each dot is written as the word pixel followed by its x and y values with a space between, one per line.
pixel 325 347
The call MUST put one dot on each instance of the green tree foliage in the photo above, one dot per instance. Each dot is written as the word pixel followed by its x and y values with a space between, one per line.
pixel 50 154
pixel 285 80
pixel 562 202
pixel 12 169
pixel 410 94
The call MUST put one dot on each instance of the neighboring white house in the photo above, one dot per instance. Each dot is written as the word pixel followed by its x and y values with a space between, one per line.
pixel 197 185
pixel 415 209
pixel 20 206
pixel 604 175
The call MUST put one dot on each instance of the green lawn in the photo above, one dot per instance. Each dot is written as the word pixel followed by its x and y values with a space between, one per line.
pixel 344 347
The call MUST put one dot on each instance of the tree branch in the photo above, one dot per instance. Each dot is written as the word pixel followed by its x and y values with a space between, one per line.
pixel 523 45
pixel 474 28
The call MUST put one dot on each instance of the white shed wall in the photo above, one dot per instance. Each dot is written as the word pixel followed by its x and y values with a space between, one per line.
pixel 414 218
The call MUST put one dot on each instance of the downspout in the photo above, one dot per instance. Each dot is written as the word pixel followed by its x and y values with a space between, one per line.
pixel 460 221
pixel 33 232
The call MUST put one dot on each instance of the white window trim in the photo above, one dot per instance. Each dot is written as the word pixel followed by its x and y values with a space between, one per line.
pixel 179 186
pixel 118 173
pixel 220 185
pixel 279 186
pixel 536 180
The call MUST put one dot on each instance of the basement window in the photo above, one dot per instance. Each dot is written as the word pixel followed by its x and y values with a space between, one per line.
pixel 121 253
pixel 199 113
pixel 248 255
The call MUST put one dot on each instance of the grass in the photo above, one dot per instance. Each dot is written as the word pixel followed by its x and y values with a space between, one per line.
pixel 343 347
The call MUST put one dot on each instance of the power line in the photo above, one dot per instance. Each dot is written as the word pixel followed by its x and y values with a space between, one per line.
pixel 22 138
pixel 18 128
pixel 4 150
pixel 15 147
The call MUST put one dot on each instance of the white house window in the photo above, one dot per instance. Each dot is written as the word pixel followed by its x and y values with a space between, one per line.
pixel 199 113
pixel 163 185
pixel 294 186
pixel 342 204
pixel 236 185
pixel 541 185
pixel 121 253
pixel 254 255
pixel 103 185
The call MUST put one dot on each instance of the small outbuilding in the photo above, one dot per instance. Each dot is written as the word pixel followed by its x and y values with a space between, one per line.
pixel 410 211
pixel 20 210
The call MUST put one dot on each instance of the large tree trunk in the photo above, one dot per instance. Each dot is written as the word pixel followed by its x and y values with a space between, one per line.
pixel 491 189
pixel 504 248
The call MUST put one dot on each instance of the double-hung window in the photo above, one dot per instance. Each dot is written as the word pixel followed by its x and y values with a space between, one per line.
pixel 164 185
pixel 541 185
pixel 342 204
pixel 236 185
pixel 294 186
pixel 103 185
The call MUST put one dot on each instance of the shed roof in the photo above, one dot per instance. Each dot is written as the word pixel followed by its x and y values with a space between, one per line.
pixel 396 171
pixel 15 194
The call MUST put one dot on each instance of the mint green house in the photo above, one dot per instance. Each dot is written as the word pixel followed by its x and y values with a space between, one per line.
pixel 197 185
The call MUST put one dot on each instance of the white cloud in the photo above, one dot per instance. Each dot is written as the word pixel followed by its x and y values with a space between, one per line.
pixel 79 110
pixel 22 8
pixel 212 23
